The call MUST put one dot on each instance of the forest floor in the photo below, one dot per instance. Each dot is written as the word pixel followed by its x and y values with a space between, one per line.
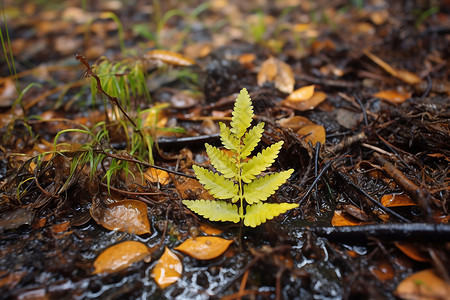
pixel 106 106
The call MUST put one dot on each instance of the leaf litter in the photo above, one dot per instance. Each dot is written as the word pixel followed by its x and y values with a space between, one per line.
pixel 171 104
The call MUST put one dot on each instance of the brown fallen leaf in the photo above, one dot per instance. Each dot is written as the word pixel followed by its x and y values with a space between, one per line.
pixel 169 57
pixel 120 256
pixel 168 269
pixel 393 96
pixel 423 285
pixel 273 69
pixel 301 94
pixel 382 270
pixel 126 215
pixel 204 247
pixel 210 230
pixel 413 251
pixel 309 104
pixel 312 133
pixel 394 200
pixel 157 175
pixel 339 219
pixel 294 123
pixel 405 76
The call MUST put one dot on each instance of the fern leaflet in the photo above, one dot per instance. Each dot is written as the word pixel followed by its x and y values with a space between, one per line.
pixel 260 162
pixel 242 114
pixel 251 139
pixel 261 188
pixel 218 186
pixel 221 162
pixel 261 212
pixel 229 141
pixel 214 210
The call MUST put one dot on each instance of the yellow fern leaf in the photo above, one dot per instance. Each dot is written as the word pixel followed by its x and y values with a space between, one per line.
pixel 251 139
pixel 222 162
pixel 261 188
pixel 214 210
pixel 242 114
pixel 229 141
pixel 217 185
pixel 261 212
pixel 260 162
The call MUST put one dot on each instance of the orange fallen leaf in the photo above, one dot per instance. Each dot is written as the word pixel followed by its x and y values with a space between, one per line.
pixel 120 256
pixel 423 285
pixel 268 71
pixel 247 60
pixel 204 247
pixel 168 269
pixel 394 200
pixel 309 104
pixel 126 215
pixel 301 94
pixel 312 133
pixel 157 175
pixel 382 270
pixel 413 251
pixel 210 230
pixel 169 57
pixel 340 220
pixel 393 96
pixel 405 76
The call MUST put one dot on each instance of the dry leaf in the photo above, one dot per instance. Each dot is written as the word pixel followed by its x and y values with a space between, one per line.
pixel 126 215
pixel 394 200
pixel 423 285
pixel 312 133
pixel 340 220
pixel 168 269
pixel 383 271
pixel 295 122
pixel 157 175
pixel 169 57
pixel 393 96
pixel 273 69
pixel 405 76
pixel 413 251
pixel 204 247
pixel 268 71
pixel 120 256
pixel 208 229
pixel 8 92
pixel 301 94
pixel 309 104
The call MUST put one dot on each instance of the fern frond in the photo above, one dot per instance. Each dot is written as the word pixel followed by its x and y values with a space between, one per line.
pixel 261 188
pixel 217 185
pixel 229 141
pixel 242 114
pixel 261 212
pixel 222 162
pixel 214 210
pixel 260 162
pixel 251 139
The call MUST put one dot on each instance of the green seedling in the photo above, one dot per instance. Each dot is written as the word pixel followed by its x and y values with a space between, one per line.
pixel 239 181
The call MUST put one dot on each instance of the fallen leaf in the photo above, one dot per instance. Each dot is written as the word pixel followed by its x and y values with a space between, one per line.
pixel 312 133
pixel 273 69
pixel 394 200
pixel 204 247
pixel 309 104
pixel 168 269
pixel 169 57
pixel 8 92
pixel 405 76
pixel 157 175
pixel 393 96
pixel 210 230
pixel 339 219
pixel 126 215
pixel 120 256
pixel 247 60
pixel 382 270
pixel 413 251
pixel 301 94
pixel 423 285
pixel 294 123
